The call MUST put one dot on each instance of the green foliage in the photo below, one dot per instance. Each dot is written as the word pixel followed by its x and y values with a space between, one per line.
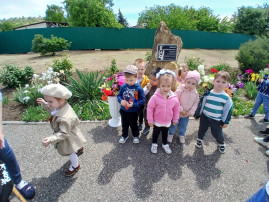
pixel 253 21
pixel 251 90
pixel 193 62
pixel 222 66
pixel 5 101
pixel 87 88
pixel 33 113
pixel 263 72
pixel 254 54
pixel 63 66
pixel 55 13
pixel 92 110
pixel 148 56
pixel 7 26
pixel 121 19
pixel 112 69
pixel 186 18
pixel 244 107
pixel 12 76
pixel 234 75
pixel 17 22
pixel 45 45
pixel 90 13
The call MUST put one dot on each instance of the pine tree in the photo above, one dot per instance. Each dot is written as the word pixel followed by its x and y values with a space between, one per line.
pixel 122 20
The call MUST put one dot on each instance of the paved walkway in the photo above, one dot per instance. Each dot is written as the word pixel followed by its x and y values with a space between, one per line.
pixel 130 172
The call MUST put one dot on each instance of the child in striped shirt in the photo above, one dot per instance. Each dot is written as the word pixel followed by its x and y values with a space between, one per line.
pixel 215 109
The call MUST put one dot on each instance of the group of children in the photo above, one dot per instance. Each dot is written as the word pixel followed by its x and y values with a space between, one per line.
pixel 169 99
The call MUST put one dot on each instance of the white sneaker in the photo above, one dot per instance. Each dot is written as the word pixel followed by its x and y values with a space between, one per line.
pixel 182 139
pixel 267 152
pixel 154 148
pixel 136 140
pixel 167 148
pixel 170 138
pixel 123 140
pixel 260 141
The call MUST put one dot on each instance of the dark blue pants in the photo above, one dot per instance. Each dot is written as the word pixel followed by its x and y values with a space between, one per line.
pixel 216 129
pixel 129 119
pixel 8 157
pixel 156 131
pixel 260 196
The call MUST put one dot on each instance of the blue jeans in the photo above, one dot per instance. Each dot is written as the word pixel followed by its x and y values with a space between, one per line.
pixel 259 196
pixel 8 157
pixel 259 100
pixel 182 123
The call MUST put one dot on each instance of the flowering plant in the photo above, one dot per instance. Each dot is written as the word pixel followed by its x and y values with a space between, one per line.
pixel 112 85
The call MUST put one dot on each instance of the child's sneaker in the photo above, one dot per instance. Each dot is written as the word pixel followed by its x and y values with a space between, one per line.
pixel 146 130
pixel 123 139
pixel 69 172
pixel 199 143
pixel 26 189
pixel 264 121
pixel 249 116
pixel 260 141
pixel 166 148
pixel 182 139
pixel 264 132
pixel 170 138
pixel 136 140
pixel 267 152
pixel 222 148
pixel 154 148
pixel 140 126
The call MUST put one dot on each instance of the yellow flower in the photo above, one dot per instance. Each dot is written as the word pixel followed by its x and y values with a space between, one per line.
pixel 205 85
pixel 57 79
pixel 62 71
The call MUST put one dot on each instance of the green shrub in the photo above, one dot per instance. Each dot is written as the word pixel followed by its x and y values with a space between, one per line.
pixel 193 62
pixel 148 56
pixel 87 88
pixel 254 54
pixel 244 107
pixel 251 90
pixel 112 69
pixel 62 66
pixel 222 66
pixel 45 45
pixel 92 110
pixel 12 76
pixel 5 101
pixel 33 113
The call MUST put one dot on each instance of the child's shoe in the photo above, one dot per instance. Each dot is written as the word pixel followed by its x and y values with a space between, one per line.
pixel 182 139
pixel 170 138
pixel 123 139
pixel 166 148
pixel 264 121
pixel 69 173
pixel 136 140
pixel 80 151
pixel 222 148
pixel 267 152
pixel 260 141
pixel 199 143
pixel 249 116
pixel 140 126
pixel 154 148
pixel 26 189
pixel 146 130
pixel 264 132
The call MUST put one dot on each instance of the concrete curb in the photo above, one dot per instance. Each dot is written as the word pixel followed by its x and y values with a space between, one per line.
pixel 104 121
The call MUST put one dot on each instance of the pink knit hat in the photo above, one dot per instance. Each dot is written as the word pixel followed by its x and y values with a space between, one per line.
pixel 193 75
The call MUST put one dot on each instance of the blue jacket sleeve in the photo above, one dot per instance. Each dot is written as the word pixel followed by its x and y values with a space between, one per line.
pixel 120 94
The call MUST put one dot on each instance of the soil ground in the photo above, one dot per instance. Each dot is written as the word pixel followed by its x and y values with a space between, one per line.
pixel 90 60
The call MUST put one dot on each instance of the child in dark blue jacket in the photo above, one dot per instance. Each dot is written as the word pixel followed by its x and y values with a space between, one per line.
pixel 131 97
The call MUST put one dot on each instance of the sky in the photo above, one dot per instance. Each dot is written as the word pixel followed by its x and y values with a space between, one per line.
pixel 129 9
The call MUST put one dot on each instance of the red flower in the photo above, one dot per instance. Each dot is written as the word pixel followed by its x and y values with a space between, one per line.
pixel 249 71
pixel 107 92
pixel 104 98
pixel 213 70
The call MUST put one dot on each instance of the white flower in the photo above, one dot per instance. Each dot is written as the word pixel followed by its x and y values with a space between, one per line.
pixel 44 75
pixel 49 82
pixel 26 98
pixel 26 86
pixel 26 91
pixel 206 79
pixel 35 76
pixel 39 90
pixel 210 79
pixel 201 69
pixel 49 76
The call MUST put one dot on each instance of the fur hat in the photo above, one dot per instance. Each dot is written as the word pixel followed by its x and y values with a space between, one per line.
pixel 56 90
pixel 193 75
pixel 171 66
pixel 131 69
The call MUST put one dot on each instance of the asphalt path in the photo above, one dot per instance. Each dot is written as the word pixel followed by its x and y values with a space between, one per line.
pixel 130 172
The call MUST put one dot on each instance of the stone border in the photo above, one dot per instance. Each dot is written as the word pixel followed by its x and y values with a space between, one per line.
pixel 104 121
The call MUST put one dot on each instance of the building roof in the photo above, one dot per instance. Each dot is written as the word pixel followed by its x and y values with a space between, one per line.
pixel 49 24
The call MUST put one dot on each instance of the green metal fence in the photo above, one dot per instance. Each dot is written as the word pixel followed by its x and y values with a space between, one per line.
pixel 20 41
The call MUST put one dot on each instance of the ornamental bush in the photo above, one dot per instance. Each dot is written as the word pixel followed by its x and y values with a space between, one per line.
pixel 45 45
pixel 254 54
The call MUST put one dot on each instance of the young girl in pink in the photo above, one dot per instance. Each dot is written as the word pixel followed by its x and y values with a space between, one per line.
pixel 163 107
pixel 182 72
pixel 188 98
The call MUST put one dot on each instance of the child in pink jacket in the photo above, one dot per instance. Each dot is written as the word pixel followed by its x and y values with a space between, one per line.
pixel 188 98
pixel 163 107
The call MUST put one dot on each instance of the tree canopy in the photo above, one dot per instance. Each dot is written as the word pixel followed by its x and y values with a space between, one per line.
pixel 55 13
pixel 121 19
pixel 90 13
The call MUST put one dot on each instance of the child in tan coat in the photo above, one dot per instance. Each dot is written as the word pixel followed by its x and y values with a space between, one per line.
pixel 67 137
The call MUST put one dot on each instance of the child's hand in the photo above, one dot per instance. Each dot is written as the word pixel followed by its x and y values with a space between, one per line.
pixel 41 101
pixel 224 126
pixel 130 104
pixel 183 113
pixel 46 142
pixel 123 102
pixel 174 123
pixel 149 86
pixel 150 124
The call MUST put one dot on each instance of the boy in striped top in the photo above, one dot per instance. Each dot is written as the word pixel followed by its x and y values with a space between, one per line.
pixel 215 110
